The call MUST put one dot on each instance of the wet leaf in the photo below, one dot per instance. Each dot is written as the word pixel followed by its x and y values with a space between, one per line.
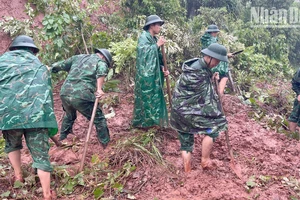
pixel 118 186
pixel 98 193
pixel 95 159
pixel 5 194
pixel 18 184
pixel 251 182
pixel 265 178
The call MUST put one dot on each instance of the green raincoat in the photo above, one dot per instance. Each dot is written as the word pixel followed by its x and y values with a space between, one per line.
pixel 222 67
pixel 25 93
pixel 149 103
pixel 195 106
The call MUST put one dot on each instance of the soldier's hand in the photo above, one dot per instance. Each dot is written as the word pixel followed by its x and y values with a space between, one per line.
pixel 230 55
pixel 298 98
pixel 216 76
pixel 99 93
pixel 166 73
pixel 161 41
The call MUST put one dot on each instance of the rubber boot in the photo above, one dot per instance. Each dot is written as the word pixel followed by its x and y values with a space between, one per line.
pixel 187 164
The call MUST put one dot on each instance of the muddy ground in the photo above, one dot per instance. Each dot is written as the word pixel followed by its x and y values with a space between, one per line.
pixel 263 154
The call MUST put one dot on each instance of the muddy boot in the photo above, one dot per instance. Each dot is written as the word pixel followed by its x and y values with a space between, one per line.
pixel 104 145
pixel 187 164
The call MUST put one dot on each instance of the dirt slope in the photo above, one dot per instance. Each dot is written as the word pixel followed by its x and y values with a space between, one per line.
pixel 15 9
pixel 267 155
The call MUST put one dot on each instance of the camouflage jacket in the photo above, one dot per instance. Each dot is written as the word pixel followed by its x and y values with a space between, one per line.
pixel 207 40
pixel 26 93
pixel 222 67
pixel 83 72
pixel 195 106
pixel 296 82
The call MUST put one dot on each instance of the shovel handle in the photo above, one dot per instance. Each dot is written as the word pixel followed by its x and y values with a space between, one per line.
pixel 167 78
pixel 88 134
pixel 226 132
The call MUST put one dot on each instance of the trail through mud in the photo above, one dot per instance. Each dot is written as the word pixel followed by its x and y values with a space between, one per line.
pixel 265 157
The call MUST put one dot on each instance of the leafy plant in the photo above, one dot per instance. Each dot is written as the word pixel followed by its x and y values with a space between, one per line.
pixel 124 55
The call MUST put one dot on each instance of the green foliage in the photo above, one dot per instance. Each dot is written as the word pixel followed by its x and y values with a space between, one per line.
pixel 179 42
pixel 124 55
pixel 170 10
pixel 100 39
pixel 15 27
pixel 259 65
pixel 5 194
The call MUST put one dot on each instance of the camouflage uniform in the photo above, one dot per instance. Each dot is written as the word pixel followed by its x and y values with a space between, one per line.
pixel 195 106
pixel 27 105
pixel 77 92
pixel 222 67
pixel 295 115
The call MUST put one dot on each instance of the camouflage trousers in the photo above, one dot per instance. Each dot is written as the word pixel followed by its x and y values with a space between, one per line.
pixel 295 115
pixel 36 141
pixel 71 105
pixel 187 140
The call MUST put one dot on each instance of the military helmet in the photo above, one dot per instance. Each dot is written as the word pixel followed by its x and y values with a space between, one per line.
pixel 23 41
pixel 106 54
pixel 216 51
pixel 151 20
pixel 212 28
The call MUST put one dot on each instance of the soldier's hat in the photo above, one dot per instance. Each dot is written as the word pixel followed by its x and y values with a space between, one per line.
pixel 151 20
pixel 106 54
pixel 212 29
pixel 23 41
pixel 216 51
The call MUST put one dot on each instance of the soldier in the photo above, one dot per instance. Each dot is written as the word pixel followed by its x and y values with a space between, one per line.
pixel 210 37
pixel 86 74
pixel 149 103
pixel 196 108
pixel 27 108
pixel 294 118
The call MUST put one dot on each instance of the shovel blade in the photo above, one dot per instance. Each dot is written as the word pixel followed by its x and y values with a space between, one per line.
pixel 236 168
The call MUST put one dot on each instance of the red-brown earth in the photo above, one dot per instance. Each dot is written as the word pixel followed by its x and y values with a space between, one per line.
pixel 267 155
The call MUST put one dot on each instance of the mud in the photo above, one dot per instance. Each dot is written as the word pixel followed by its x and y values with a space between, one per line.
pixel 264 154
pixel 261 153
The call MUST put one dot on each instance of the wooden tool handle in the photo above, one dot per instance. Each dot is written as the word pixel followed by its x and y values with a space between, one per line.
pixel 88 134
pixel 167 78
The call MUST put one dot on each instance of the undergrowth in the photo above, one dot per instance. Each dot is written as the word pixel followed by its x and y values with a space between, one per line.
pixel 101 177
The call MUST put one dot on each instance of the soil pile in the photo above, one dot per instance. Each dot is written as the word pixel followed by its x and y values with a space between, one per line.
pixel 266 158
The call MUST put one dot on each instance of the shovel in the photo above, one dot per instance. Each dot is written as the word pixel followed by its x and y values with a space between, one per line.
pixel 167 78
pixel 236 168
pixel 88 134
